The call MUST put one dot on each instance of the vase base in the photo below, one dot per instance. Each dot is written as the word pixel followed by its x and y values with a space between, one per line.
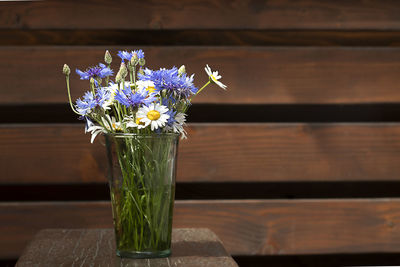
pixel 144 254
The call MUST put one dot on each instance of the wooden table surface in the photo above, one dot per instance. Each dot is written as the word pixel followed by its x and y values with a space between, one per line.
pixel 96 247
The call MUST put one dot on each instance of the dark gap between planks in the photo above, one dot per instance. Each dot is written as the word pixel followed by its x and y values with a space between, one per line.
pixel 8 262
pixel 230 37
pixel 332 260
pixel 61 113
pixel 221 190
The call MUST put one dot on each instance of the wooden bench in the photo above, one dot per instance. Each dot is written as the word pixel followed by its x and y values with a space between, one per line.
pixel 96 247
pixel 299 157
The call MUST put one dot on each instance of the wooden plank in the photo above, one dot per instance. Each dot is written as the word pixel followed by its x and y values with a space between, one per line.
pixel 192 247
pixel 246 227
pixel 265 75
pixel 190 14
pixel 56 154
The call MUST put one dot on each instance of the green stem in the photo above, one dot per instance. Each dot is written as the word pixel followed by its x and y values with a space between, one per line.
pixel 108 77
pixel 69 96
pixel 185 107
pixel 134 75
pixel 131 73
pixel 92 87
pixel 204 86
pixel 145 196
pixel 116 105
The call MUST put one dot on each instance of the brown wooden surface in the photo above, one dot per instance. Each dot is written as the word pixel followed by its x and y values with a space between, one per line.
pixel 246 227
pixel 57 154
pixel 269 52
pixel 191 14
pixel 264 76
pixel 96 247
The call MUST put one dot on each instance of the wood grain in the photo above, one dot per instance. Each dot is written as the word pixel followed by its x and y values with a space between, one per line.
pixel 57 154
pixel 246 227
pixel 190 14
pixel 258 75
pixel 192 247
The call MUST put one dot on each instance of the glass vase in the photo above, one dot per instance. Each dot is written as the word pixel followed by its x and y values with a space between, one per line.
pixel 142 170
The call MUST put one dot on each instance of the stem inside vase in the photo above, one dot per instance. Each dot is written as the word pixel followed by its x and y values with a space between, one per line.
pixel 142 172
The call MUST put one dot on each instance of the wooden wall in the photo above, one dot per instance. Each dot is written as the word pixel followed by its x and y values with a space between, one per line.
pixel 300 157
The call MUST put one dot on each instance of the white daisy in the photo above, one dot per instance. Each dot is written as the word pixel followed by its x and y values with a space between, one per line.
pixel 89 124
pixel 214 77
pixel 134 123
pixel 153 115
pixel 111 123
pixel 146 85
pixel 95 130
pixel 112 88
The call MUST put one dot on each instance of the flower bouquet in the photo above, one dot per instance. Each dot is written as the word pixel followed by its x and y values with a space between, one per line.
pixel 141 113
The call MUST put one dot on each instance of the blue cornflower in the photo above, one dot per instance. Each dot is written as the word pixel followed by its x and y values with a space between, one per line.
pixel 125 55
pixel 130 98
pixel 84 106
pixel 171 118
pixel 139 53
pixel 180 86
pixel 188 83
pixel 89 102
pixel 102 97
pixel 168 101
pixel 100 71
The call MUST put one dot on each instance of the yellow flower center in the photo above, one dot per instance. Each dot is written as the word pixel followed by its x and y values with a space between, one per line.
pixel 153 115
pixel 151 89
pixel 115 127
pixel 138 122
pixel 213 78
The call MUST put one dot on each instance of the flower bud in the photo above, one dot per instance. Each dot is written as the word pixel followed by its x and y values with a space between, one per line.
pixel 134 59
pixel 66 70
pixel 107 57
pixel 98 80
pixel 130 67
pixel 164 93
pixel 142 62
pixel 141 71
pixel 123 70
pixel 181 70
pixel 118 77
